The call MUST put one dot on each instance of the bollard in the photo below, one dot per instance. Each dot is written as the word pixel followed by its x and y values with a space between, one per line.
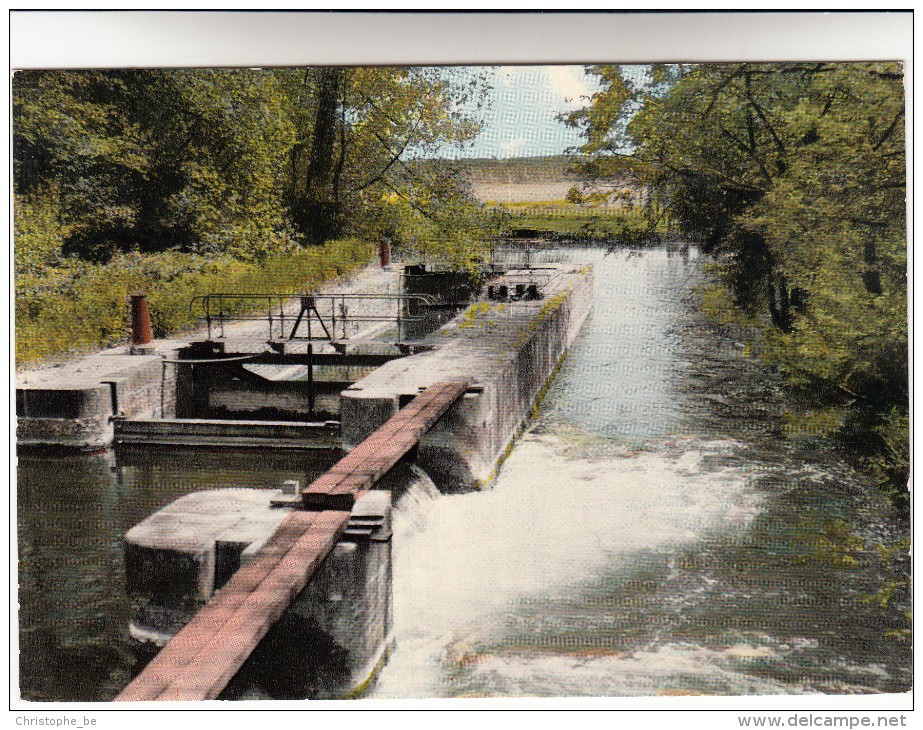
pixel 140 320
pixel 384 253
pixel 292 486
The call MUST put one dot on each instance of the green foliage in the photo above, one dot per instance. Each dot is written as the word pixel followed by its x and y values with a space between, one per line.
pixel 430 211
pixel 38 233
pixel 575 196
pixel 231 161
pixel 177 182
pixel 351 150
pixel 153 159
pixel 794 175
pixel 581 219
pixel 88 308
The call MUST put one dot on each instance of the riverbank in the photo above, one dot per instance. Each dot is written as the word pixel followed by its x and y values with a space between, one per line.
pixel 67 312
pixel 71 404
pixel 70 616
pixel 654 532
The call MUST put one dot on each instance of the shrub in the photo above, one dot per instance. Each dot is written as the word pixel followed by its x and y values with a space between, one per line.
pixel 79 306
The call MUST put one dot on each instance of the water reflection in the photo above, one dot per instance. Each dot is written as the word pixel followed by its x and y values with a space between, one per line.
pixel 72 513
pixel 654 533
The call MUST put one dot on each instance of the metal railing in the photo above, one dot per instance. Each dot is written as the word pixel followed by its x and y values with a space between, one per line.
pixel 291 318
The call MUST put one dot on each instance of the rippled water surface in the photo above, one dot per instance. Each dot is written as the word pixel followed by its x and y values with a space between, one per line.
pixel 73 512
pixel 652 533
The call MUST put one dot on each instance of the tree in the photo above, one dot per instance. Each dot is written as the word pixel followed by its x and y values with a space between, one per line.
pixel 153 159
pixel 794 175
pixel 229 160
pixel 314 185
pixel 356 129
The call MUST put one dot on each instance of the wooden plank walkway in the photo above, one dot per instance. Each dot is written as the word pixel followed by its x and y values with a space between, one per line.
pixel 203 657
pixel 357 471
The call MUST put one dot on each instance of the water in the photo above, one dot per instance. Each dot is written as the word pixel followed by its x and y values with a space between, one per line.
pixel 72 514
pixel 652 533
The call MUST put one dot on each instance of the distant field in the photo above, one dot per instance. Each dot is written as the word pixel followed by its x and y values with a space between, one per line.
pixel 518 169
pixel 614 219
pixel 523 179
pixel 540 193
pixel 520 192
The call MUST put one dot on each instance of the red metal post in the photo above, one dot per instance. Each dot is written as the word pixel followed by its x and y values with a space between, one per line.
pixel 140 320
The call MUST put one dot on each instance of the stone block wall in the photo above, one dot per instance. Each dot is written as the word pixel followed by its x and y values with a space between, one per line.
pixel 476 437
pixel 73 406
pixel 509 352
pixel 329 642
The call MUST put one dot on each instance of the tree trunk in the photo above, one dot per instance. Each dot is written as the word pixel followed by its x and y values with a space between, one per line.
pixel 315 211
pixel 320 163
pixel 779 303
pixel 871 276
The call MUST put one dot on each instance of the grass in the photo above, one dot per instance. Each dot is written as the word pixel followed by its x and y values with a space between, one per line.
pixel 567 218
pixel 65 307
pixel 79 307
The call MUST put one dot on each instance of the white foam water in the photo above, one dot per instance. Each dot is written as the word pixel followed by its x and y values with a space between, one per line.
pixel 551 523
pixel 650 535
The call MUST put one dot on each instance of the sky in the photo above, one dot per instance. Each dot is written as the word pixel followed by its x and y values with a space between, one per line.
pixel 524 103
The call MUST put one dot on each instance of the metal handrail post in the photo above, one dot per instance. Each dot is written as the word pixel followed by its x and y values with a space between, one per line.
pixel 205 306
pixel 281 318
pixel 333 316
pixel 311 379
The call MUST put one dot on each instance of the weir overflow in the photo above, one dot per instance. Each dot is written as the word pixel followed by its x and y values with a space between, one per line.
pixel 648 535
pixel 217 577
pixel 200 660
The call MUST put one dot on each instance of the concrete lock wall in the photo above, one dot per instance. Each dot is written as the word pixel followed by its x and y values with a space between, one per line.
pixel 338 629
pixel 215 391
pixel 73 406
pixel 508 351
pixel 333 637
pixel 287 397
pixel 338 632
pixel 450 289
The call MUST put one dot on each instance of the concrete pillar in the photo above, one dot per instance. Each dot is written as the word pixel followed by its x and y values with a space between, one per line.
pixel 330 641
pixel 363 412
pixel 337 633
